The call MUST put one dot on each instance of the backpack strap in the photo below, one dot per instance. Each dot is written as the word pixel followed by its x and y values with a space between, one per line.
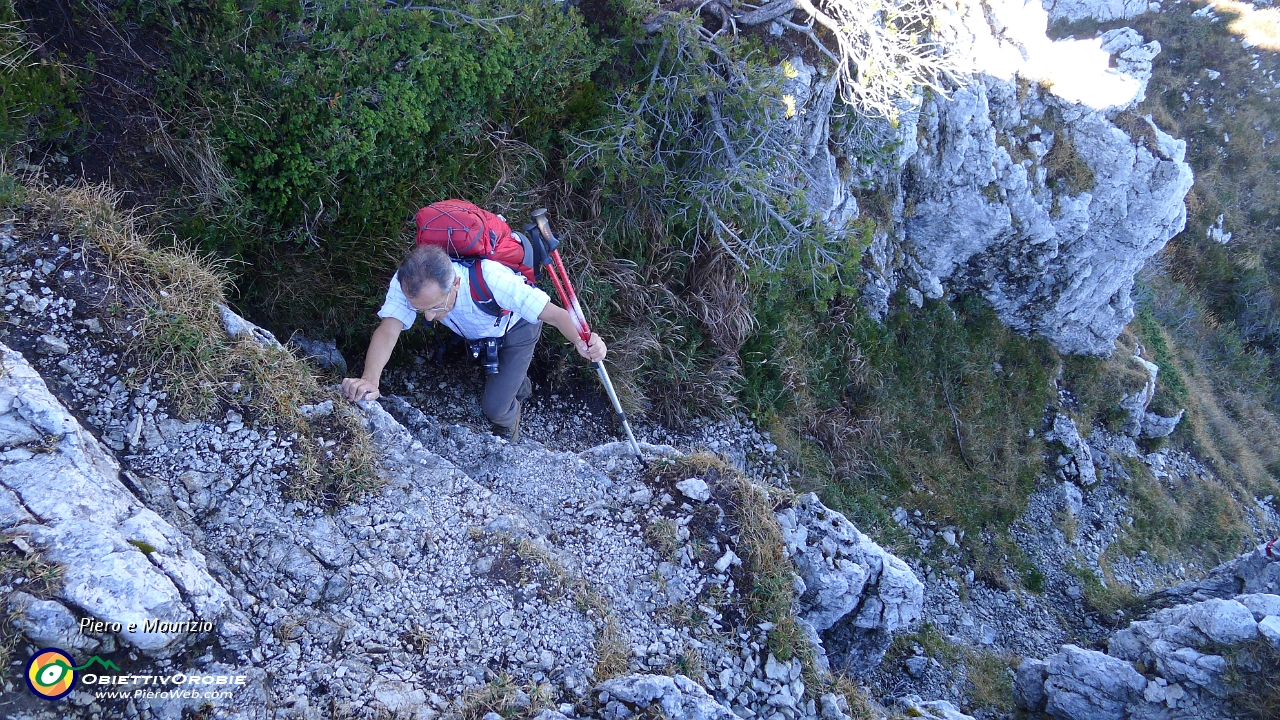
pixel 481 295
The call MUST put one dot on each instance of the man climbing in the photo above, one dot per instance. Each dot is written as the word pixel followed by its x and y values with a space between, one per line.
pixel 439 287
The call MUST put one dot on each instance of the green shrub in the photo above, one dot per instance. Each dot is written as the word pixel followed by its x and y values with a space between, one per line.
pixel 355 112
pixel 336 120
pixel 37 97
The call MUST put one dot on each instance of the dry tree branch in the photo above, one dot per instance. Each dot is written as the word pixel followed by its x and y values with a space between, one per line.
pixel 882 51
pixel 489 24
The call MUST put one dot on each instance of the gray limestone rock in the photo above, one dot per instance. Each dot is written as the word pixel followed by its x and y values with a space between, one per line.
pixel 123 563
pixel 1260 604
pixel 52 345
pixel 1100 10
pixel 1028 684
pixel 676 698
pixel 237 326
pixel 324 353
pixel 1025 191
pixel 854 591
pixel 695 489
pixel 1079 465
pixel 1269 627
pixel 1139 422
pixel 1183 649
pixel 931 709
pixel 48 623
pixel 1088 685
pixel 1257 571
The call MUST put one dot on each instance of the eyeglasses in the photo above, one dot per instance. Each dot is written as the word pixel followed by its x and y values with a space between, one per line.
pixel 439 308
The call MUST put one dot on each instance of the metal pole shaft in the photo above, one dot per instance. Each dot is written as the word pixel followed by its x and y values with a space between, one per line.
pixel 564 288
pixel 617 406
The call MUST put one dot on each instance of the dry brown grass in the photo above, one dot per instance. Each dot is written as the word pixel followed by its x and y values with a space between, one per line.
pixel 30 572
pixel 760 543
pixel 1106 595
pixel 1232 430
pixel 1252 669
pixel 1099 384
pixel 1259 26
pixel 503 696
pixel 173 329
pixel 990 675
pixel 678 319
pixel 860 706
pixel 613 651
pixel 1064 166
pixel 767 572
pixel 195 158
pixel 526 562
pixel 662 536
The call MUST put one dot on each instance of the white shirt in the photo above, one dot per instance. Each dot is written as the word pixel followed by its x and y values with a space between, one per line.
pixel 466 319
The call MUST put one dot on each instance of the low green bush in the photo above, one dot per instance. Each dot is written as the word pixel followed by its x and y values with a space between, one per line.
pixel 37 96
pixel 336 120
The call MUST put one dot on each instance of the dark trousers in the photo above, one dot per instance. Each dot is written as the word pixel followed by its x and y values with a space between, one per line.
pixel 504 391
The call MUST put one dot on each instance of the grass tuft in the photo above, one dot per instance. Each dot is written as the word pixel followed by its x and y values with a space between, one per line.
pixel 171 326
pixel 1252 669
pixel 613 652
pixel 30 572
pixel 507 698
pixel 1106 596
pixel 1065 168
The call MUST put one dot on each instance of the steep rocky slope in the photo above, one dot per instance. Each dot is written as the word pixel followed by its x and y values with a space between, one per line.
pixel 479 569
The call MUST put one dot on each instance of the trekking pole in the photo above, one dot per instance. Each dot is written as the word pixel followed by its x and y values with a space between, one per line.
pixel 564 288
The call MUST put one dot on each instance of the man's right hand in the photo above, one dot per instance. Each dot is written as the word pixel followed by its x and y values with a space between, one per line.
pixel 360 389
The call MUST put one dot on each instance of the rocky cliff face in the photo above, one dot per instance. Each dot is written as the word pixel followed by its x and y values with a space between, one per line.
pixel 1032 183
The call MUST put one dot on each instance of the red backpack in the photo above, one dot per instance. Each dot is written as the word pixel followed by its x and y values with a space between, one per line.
pixel 470 234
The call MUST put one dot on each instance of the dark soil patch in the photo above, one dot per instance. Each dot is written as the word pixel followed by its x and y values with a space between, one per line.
pixel 116 63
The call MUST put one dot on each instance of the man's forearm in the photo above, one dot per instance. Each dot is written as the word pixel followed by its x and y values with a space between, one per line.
pixel 559 318
pixel 380 347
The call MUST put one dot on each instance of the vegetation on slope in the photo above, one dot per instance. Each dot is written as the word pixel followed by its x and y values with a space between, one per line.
pixel 297 138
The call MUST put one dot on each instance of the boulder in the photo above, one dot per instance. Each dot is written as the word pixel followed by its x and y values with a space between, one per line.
pixel 855 592
pixel 122 562
pixel 1028 685
pixel 931 709
pixel 323 353
pixel 48 623
pixel 1079 467
pixel 1269 627
pixel 236 326
pixel 675 698
pixel 1260 604
pixel 1088 685
pixel 1140 422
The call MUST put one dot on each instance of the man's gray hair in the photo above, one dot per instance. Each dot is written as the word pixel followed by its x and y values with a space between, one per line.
pixel 425 263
